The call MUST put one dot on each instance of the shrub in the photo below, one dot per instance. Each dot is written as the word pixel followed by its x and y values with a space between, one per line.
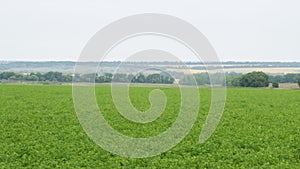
pixel 275 85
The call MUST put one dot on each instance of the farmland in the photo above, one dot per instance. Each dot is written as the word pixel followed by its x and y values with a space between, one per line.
pixel 39 128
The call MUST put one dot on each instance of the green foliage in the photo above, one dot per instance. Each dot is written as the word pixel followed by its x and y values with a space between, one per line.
pixel 287 78
pixel 199 78
pixel 158 78
pixel 299 81
pixel 202 78
pixel 275 85
pixel 153 78
pixel 140 78
pixel 234 82
pixel 49 76
pixel 105 78
pixel 39 129
pixel 187 80
pixel 254 79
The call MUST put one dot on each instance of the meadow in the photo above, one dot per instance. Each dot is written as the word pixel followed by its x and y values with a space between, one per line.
pixel 260 128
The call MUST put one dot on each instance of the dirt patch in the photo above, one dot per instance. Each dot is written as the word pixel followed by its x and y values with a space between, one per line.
pixel 289 85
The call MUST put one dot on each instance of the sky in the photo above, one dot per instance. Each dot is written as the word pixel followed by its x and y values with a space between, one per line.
pixel 58 30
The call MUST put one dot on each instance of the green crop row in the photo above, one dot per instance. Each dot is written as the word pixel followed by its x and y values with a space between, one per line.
pixel 260 128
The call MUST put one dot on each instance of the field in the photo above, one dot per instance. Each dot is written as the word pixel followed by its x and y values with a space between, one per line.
pixel 39 129
pixel 274 70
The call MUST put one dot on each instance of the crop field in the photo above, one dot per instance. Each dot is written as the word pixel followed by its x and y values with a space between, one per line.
pixel 260 128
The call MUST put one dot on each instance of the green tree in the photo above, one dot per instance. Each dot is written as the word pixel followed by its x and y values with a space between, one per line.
pixel 153 78
pixel 255 79
pixel 187 80
pixel 299 81
pixel 232 81
pixel 202 78
pixel 140 78
pixel 119 77
pixel 275 85
pixel 167 79
pixel 7 75
pixel 32 77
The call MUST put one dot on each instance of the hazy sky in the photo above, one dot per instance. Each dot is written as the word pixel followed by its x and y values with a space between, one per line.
pixel 262 30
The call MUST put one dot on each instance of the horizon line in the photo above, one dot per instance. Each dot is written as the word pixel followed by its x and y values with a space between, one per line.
pixel 244 61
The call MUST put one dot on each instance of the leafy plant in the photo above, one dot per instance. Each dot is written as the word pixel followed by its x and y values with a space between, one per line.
pixel 275 85
pixel 39 129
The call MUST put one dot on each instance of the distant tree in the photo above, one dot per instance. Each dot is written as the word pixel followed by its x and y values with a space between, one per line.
pixel 287 78
pixel 7 75
pixel 108 77
pixel 12 78
pixel 100 79
pixel 160 78
pixel 202 78
pixel 232 81
pixel 87 77
pixel 167 79
pixel 140 78
pixel 275 85
pixel 187 80
pixel 49 76
pixel 154 78
pixel 255 79
pixel 32 77
pixel 299 81
pixel 291 78
pixel 54 76
pixel 118 77
pixel 17 76
pixel 130 77
pixel 68 78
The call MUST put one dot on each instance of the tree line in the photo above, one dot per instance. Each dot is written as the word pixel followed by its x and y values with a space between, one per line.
pixel 104 78
pixel 260 79
pixel 49 76
pixel 161 78
pixel 253 79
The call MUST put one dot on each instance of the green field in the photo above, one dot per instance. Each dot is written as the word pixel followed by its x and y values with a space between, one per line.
pixel 260 128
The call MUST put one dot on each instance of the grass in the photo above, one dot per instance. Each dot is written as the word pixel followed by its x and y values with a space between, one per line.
pixel 39 129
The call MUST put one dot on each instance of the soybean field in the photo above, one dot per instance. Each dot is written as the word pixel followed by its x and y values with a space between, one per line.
pixel 260 128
